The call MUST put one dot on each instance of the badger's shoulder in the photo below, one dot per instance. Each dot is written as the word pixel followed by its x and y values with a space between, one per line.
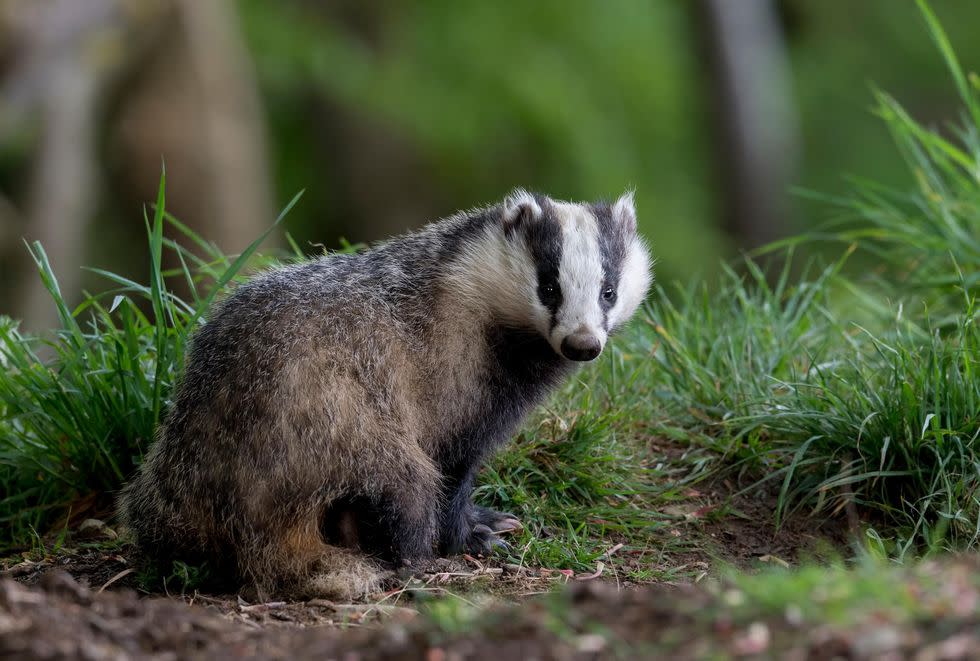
pixel 263 318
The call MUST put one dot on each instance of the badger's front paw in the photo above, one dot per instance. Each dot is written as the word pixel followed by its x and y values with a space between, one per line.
pixel 483 541
pixel 472 529
pixel 486 526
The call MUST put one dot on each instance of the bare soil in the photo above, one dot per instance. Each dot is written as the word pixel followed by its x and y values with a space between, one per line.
pixel 60 619
pixel 745 533
pixel 84 602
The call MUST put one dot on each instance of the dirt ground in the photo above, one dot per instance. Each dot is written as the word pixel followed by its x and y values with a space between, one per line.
pixel 83 602
pixel 60 619
pixel 712 530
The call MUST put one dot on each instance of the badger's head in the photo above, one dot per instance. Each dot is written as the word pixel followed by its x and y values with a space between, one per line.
pixel 578 271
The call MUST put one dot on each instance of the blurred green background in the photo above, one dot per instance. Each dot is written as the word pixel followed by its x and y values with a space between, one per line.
pixel 391 114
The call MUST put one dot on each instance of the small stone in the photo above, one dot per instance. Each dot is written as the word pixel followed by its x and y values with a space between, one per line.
pixel 590 643
pixel 794 615
pixel 95 529
pixel 435 654
pixel 878 641
pixel 754 640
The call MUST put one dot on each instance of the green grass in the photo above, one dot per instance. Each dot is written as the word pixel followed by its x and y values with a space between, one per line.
pixel 836 593
pixel 581 481
pixel 772 378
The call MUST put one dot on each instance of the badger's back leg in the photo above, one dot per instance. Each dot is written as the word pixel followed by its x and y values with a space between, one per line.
pixel 296 560
pixel 396 522
pixel 292 554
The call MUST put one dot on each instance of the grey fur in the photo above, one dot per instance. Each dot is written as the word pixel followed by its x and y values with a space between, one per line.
pixel 333 414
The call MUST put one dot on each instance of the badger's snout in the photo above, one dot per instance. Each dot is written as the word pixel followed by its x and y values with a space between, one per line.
pixel 581 346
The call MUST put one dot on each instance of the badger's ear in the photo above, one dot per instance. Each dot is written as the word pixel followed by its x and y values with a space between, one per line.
pixel 520 207
pixel 624 211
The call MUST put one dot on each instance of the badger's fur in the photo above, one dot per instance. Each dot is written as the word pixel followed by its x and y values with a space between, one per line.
pixel 334 413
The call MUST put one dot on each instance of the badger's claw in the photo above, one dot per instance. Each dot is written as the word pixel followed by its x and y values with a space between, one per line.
pixel 496 521
pixel 488 524
pixel 477 530
pixel 483 541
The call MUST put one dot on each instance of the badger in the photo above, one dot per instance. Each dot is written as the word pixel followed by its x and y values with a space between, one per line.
pixel 333 414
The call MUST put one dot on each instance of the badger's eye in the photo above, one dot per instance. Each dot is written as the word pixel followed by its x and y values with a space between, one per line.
pixel 548 289
pixel 609 294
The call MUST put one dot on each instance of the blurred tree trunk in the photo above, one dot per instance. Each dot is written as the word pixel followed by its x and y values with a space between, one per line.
pixel 80 67
pixel 195 104
pixel 71 53
pixel 755 118
pixel 232 121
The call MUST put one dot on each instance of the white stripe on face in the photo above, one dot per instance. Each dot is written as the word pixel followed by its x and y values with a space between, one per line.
pixel 580 276
pixel 634 282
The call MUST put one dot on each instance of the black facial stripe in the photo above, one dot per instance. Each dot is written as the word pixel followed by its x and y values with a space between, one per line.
pixel 544 242
pixel 613 246
pixel 613 243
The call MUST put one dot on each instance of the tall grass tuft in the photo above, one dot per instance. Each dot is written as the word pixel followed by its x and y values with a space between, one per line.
pixel 859 388
pixel 78 408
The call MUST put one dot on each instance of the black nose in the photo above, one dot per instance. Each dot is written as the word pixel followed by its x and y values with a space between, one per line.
pixel 581 346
